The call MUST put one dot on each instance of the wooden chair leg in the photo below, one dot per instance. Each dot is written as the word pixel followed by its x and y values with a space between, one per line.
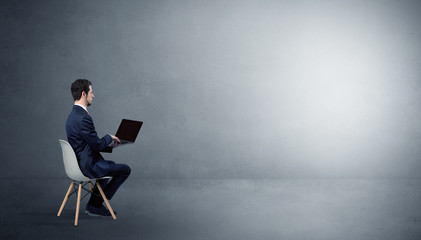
pixel 78 203
pixel 90 185
pixel 65 198
pixel 105 200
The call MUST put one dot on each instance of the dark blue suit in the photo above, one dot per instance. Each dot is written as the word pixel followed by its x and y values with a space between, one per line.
pixel 85 142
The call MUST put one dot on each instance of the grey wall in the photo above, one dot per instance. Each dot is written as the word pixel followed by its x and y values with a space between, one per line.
pixel 227 89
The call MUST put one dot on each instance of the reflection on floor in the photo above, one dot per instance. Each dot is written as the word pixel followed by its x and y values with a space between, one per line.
pixel 219 209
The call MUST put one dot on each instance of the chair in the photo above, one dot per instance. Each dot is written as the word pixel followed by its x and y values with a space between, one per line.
pixel 73 171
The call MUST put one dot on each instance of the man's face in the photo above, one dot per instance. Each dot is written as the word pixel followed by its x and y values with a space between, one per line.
pixel 89 96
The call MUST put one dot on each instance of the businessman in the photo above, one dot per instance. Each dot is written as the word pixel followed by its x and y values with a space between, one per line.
pixel 87 145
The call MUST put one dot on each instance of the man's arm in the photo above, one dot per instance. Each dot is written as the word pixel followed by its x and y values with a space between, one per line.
pixel 90 136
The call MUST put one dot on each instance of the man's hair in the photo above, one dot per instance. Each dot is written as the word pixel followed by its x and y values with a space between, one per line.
pixel 79 86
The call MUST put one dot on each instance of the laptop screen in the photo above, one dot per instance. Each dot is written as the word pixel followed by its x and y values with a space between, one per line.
pixel 128 130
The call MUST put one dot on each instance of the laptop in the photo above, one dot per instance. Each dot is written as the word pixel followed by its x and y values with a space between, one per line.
pixel 127 132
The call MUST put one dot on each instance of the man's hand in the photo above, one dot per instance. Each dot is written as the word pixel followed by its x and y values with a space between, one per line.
pixel 115 139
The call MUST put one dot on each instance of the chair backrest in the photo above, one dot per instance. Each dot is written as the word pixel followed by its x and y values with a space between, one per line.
pixel 71 165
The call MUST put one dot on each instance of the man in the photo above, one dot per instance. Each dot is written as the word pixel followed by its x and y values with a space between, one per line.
pixel 87 145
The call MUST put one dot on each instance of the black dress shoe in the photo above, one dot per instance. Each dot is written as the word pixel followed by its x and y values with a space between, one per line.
pixel 97 211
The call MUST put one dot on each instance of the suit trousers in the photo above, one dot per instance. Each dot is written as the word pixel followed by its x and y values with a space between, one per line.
pixel 119 174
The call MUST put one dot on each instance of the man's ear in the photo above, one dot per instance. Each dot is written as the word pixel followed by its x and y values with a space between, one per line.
pixel 83 94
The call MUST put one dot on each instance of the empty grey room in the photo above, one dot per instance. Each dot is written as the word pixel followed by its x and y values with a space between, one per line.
pixel 267 119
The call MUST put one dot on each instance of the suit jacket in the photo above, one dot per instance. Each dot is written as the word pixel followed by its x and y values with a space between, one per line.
pixel 87 145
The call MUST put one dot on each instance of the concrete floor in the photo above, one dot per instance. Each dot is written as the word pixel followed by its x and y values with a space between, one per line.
pixel 219 209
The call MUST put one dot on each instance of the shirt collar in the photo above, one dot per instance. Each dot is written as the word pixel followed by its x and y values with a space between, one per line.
pixel 82 107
